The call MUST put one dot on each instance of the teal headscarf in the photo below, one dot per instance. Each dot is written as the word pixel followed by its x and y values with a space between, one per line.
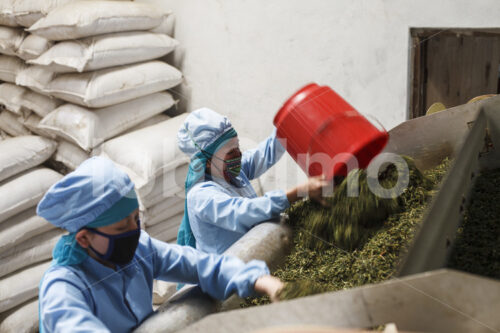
pixel 196 171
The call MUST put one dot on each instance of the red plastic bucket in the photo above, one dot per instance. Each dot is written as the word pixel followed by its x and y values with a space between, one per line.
pixel 326 135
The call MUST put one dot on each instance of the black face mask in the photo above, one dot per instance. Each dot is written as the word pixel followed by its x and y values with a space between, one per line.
pixel 121 247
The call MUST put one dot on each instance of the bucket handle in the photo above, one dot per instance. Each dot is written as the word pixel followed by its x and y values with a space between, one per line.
pixel 375 122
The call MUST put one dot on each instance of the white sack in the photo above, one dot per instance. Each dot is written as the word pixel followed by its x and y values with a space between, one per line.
pixel 147 153
pixel 9 68
pixel 25 191
pixel 35 77
pixel 149 122
pixel 89 128
pixel 164 186
pixel 40 104
pixel 167 26
pixel 7 20
pixel 22 101
pixel 31 123
pixel 38 252
pixel 10 40
pixel 162 291
pixel 22 227
pixel 166 231
pixel 23 319
pixel 25 12
pixel 22 153
pixel 4 136
pixel 43 238
pixel 20 287
pixel 115 85
pixel 33 46
pixel 11 97
pixel 89 18
pixel 70 155
pixel 105 51
pixel 165 209
pixel 10 124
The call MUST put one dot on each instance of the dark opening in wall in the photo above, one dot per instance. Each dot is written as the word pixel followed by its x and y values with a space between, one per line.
pixel 452 66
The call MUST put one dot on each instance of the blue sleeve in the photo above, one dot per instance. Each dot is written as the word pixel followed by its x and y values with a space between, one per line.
pixel 209 204
pixel 64 308
pixel 255 162
pixel 218 276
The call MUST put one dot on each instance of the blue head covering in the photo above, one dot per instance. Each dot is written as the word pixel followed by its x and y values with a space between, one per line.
pixel 203 133
pixel 96 194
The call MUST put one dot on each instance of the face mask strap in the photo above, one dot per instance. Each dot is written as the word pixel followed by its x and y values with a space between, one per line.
pixel 228 161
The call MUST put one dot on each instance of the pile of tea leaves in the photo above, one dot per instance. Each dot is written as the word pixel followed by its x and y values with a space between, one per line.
pixel 477 245
pixel 356 208
pixel 300 288
pixel 355 240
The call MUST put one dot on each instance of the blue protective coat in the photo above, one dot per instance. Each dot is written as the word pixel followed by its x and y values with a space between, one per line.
pixel 220 213
pixel 90 297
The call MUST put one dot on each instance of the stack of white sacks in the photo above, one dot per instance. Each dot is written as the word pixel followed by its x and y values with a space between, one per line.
pixel 80 78
pixel 26 240
pixel 92 75
pixel 151 158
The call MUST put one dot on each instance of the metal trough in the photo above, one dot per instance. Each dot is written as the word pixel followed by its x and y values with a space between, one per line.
pixel 430 301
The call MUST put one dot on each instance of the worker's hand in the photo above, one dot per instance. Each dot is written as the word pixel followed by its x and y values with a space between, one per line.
pixel 269 285
pixel 313 189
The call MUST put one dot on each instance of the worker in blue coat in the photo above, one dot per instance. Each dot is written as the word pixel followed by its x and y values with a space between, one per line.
pixel 221 204
pixel 101 277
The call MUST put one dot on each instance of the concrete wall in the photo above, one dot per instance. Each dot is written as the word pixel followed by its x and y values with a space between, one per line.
pixel 244 58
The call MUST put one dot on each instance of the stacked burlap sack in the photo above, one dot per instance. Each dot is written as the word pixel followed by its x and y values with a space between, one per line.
pixel 151 158
pixel 26 240
pixel 83 71
pixel 79 74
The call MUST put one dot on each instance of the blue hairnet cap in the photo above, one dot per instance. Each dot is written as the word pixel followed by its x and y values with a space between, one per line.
pixel 84 194
pixel 200 129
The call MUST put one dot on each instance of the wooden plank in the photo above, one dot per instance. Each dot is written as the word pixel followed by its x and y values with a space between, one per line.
pixel 418 79
pixel 415 79
pixel 460 68
pixel 424 33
